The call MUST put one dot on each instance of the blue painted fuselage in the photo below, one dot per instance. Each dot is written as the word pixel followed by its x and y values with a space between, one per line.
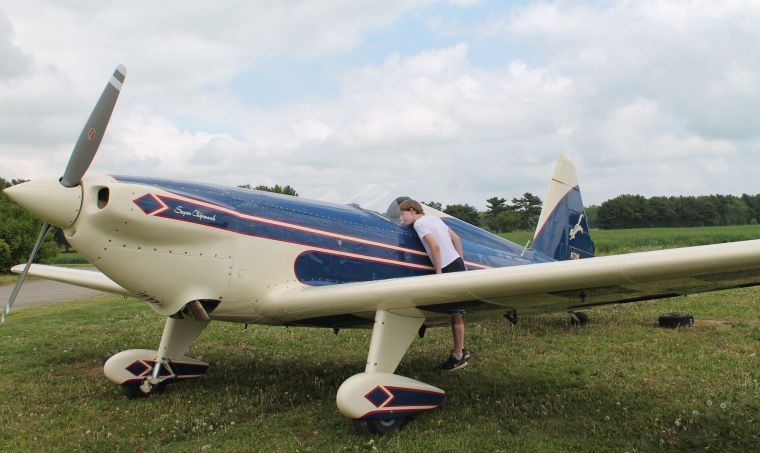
pixel 344 243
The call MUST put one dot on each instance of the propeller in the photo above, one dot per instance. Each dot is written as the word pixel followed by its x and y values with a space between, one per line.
pixel 92 133
pixel 81 158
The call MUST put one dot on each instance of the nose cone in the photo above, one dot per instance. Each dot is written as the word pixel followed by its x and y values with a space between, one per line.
pixel 48 199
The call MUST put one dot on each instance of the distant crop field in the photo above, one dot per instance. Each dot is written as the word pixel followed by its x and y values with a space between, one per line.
pixel 615 242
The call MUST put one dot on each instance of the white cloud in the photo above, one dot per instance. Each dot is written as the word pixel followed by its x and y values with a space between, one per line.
pixel 652 97
pixel 15 63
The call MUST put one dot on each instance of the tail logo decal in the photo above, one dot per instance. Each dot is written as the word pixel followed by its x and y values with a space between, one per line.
pixel 577 228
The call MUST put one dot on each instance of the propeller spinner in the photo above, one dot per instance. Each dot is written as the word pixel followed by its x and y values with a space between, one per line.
pixel 57 202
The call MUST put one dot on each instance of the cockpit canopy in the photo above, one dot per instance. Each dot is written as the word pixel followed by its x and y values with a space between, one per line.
pixel 381 201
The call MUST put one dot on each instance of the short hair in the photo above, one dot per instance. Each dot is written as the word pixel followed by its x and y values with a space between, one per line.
pixel 410 204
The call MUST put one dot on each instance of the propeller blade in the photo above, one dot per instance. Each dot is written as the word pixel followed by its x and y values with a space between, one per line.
pixel 92 133
pixel 22 277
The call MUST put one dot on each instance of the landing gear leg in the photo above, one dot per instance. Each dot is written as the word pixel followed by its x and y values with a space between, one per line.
pixel 142 371
pixel 377 400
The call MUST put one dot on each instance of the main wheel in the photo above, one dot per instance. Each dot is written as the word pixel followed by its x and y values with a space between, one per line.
pixel 132 390
pixel 379 426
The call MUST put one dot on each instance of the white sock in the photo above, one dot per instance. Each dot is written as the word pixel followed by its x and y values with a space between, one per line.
pixel 457 356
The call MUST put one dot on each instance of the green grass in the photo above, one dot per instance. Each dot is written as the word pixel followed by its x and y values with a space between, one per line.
pixel 618 384
pixel 615 242
pixel 9 279
pixel 67 258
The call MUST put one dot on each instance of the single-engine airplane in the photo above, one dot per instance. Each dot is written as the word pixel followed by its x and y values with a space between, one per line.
pixel 198 253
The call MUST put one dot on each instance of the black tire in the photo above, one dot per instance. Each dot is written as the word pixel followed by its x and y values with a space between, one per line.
pixel 132 390
pixel 110 354
pixel 380 426
pixel 386 426
pixel 362 427
pixel 578 318
pixel 675 319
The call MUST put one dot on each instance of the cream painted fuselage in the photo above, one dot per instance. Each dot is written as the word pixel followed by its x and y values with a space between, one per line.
pixel 237 250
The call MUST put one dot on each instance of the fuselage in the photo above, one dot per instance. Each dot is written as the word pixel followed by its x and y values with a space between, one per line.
pixel 174 241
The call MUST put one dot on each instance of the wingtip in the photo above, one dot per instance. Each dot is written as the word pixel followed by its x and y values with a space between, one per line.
pixel 122 69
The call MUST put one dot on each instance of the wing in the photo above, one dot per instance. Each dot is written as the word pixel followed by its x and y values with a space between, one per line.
pixel 79 277
pixel 539 288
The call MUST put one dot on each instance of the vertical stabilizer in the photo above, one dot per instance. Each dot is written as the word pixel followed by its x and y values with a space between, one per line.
pixel 562 232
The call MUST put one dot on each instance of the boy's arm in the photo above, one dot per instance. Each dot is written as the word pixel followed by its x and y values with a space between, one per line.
pixel 457 243
pixel 435 250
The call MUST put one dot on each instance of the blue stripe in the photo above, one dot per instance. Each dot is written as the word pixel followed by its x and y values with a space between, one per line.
pixel 337 218
pixel 412 397
pixel 194 213
pixel 317 269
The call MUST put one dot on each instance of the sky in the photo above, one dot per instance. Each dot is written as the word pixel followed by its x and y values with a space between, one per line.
pixel 453 101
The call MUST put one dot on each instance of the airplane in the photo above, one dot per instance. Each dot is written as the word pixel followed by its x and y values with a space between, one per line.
pixel 198 253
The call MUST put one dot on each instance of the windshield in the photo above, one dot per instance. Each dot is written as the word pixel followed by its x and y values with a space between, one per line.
pixel 381 201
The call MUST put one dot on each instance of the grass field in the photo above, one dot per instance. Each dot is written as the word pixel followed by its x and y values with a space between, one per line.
pixel 619 384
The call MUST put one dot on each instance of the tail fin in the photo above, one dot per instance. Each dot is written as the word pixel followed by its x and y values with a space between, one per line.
pixel 562 232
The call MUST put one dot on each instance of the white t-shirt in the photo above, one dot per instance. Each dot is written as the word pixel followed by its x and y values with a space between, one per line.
pixel 428 224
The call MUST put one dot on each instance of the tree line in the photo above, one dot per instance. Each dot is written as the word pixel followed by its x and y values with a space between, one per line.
pixel 500 216
pixel 636 211
pixel 19 229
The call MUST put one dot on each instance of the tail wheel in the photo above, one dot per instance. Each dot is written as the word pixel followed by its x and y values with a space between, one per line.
pixel 578 318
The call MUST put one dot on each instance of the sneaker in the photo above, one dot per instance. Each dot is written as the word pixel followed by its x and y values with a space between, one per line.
pixel 453 363
pixel 465 354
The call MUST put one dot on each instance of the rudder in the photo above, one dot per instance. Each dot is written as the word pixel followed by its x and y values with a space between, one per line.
pixel 562 232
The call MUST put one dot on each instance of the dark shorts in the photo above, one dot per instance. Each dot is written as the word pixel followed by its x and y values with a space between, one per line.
pixel 455 266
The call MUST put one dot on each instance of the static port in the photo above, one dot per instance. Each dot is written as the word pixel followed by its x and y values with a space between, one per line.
pixel 103 197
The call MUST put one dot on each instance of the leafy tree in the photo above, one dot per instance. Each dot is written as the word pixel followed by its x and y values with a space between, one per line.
pixel 463 212
pixel 60 239
pixel 19 231
pixel 495 207
pixel 286 190
pixel 507 221
pixel 592 214
pixel 529 208
pixel 635 211
pixel 5 255
pixel 433 204
pixel 753 204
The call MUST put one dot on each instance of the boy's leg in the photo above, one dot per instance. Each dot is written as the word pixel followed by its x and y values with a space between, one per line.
pixel 457 329
pixel 459 356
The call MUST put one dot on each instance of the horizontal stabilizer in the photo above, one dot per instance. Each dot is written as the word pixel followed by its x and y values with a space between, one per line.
pixel 80 277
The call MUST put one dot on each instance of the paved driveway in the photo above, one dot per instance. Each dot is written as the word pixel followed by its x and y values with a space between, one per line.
pixel 42 292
